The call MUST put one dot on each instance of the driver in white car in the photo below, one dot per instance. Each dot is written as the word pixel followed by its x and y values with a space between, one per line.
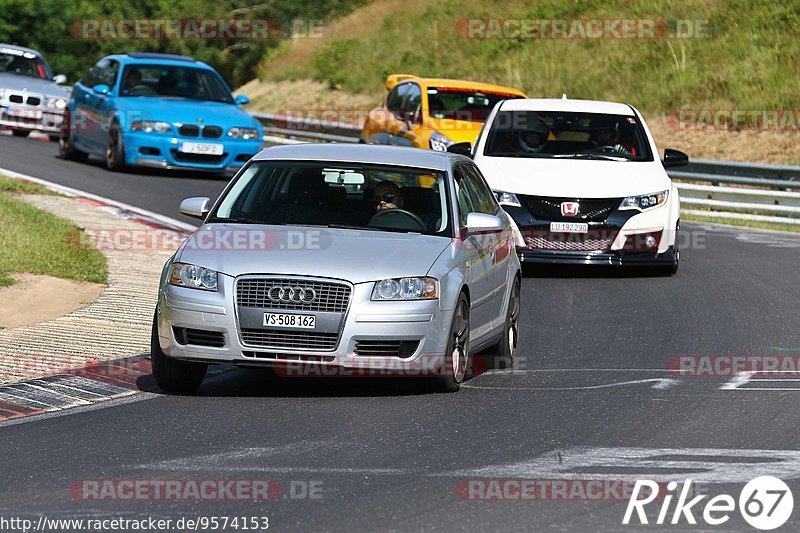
pixel 604 137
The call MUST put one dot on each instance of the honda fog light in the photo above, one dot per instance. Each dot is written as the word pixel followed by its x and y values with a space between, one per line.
pixel 418 288
pixel 193 277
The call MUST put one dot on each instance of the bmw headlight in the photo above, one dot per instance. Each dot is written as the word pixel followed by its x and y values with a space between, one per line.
pixel 439 142
pixel 645 201
pixel 192 276
pixel 150 126
pixel 507 198
pixel 56 103
pixel 243 133
pixel 406 289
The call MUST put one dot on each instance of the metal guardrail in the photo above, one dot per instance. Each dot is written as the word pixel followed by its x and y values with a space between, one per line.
pixel 718 189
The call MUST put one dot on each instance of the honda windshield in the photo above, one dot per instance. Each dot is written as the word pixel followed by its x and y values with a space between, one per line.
pixel 567 135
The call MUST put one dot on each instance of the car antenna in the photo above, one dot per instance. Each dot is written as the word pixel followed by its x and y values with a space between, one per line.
pixel 563 96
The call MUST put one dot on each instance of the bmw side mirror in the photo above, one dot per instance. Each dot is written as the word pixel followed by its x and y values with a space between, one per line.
pixel 464 148
pixel 195 207
pixel 674 158
pixel 241 100
pixel 58 79
pixel 483 223
pixel 101 88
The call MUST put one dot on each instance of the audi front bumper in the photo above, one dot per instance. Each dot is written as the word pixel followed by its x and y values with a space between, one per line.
pixel 213 317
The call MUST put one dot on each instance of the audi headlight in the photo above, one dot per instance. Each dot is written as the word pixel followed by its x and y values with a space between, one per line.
pixel 507 198
pixel 243 133
pixel 192 276
pixel 406 289
pixel 56 103
pixel 645 201
pixel 150 126
pixel 439 142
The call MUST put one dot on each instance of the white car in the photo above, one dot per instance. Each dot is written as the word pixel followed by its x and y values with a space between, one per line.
pixel 583 181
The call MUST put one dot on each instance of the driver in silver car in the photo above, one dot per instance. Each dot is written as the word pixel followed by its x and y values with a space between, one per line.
pixel 387 196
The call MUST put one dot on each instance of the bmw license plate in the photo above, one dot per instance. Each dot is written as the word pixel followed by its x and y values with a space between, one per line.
pixel 202 148
pixel 569 227
pixel 282 320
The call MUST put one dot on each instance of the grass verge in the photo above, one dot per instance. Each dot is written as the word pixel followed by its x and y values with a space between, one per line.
pixel 726 221
pixel 39 242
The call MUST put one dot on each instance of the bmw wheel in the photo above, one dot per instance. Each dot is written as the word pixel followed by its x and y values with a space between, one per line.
pixel 115 152
pixel 66 142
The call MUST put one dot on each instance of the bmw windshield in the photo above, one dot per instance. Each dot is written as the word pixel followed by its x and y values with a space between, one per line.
pixel 174 82
pixel 568 135
pixel 14 61
pixel 339 195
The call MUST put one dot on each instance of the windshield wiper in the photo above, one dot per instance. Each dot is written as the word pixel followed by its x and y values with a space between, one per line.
pixel 345 226
pixel 241 220
pixel 597 157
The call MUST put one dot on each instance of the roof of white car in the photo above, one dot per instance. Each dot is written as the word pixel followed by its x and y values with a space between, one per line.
pixel 559 104
pixel 362 153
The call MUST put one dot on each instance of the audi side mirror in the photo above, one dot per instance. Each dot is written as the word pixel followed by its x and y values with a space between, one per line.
pixel 464 148
pixel 195 207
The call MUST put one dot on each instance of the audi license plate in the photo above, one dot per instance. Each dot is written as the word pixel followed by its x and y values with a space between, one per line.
pixel 569 227
pixel 282 320
pixel 202 148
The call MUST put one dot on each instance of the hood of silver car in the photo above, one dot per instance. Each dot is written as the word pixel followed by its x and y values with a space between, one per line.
pixel 19 83
pixel 354 255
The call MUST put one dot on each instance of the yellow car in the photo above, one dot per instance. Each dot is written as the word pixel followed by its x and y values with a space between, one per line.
pixel 432 113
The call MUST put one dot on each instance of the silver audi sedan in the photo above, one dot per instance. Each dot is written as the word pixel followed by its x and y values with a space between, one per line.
pixel 339 260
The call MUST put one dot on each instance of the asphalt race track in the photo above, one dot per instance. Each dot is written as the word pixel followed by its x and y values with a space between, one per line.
pixel 590 398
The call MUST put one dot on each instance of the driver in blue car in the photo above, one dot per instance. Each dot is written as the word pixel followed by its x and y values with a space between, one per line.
pixel 387 196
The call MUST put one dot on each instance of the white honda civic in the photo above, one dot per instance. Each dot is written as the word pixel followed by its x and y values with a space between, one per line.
pixel 583 181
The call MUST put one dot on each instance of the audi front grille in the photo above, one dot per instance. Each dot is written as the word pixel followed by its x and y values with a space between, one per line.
pixel 258 292
pixel 290 340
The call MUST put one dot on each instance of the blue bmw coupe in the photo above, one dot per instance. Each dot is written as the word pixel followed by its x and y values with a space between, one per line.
pixel 159 111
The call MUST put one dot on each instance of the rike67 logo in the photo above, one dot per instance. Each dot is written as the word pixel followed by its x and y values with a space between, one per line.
pixel 765 503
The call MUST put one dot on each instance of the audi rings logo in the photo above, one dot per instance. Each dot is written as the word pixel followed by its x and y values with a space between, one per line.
pixel 292 294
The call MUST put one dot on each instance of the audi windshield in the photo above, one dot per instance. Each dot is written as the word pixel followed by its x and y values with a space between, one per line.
pixel 569 135
pixel 362 196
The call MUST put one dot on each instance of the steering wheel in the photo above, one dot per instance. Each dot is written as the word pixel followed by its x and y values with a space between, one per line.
pixel 607 150
pixel 396 219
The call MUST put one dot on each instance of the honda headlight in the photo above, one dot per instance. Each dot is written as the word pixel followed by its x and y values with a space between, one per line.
pixel 56 103
pixel 439 142
pixel 645 201
pixel 243 133
pixel 193 277
pixel 406 289
pixel 150 126
pixel 507 198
